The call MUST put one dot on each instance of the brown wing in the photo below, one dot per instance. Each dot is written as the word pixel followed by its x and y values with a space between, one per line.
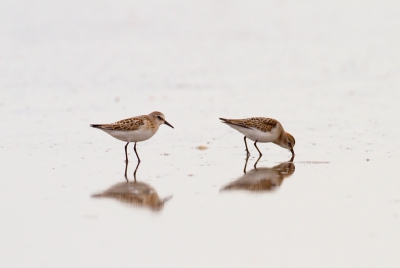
pixel 129 124
pixel 260 123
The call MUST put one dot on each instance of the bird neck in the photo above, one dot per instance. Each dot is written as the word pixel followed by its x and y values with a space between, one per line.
pixel 282 140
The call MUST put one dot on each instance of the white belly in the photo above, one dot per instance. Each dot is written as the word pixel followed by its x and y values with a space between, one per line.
pixel 257 135
pixel 131 136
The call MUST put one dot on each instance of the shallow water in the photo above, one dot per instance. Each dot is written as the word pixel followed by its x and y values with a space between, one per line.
pixel 327 72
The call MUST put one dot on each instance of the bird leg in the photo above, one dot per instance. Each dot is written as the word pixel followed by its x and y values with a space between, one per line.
pixel 245 164
pixel 126 154
pixel 126 169
pixel 255 144
pixel 255 164
pixel 134 148
pixel 247 149
pixel 134 173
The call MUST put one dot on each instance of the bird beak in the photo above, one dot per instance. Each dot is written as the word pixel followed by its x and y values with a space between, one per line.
pixel 292 151
pixel 168 124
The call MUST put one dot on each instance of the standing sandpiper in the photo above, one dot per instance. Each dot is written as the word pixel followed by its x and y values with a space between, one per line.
pixel 262 129
pixel 134 129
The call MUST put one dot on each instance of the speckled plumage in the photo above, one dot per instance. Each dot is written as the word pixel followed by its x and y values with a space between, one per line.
pixel 261 123
pixel 129 124
pixel 134 129
pixel 262 129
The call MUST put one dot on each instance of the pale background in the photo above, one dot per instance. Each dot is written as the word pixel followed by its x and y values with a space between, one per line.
pixel 328 70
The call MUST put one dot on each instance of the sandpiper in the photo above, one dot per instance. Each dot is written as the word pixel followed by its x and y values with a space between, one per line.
pixel 134 129
pixel 262 129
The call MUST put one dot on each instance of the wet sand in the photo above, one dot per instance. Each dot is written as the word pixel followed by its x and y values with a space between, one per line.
pixel 329 74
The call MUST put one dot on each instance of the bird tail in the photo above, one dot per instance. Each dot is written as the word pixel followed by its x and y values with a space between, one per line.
pixel 95 125
pixel 234 122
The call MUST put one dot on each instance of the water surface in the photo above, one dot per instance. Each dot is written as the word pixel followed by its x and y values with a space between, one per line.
pixel 327 72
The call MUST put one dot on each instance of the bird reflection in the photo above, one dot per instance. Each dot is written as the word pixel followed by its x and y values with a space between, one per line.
pixel 134 173
pixel 255 164
pixel 135 193
pixel 262 179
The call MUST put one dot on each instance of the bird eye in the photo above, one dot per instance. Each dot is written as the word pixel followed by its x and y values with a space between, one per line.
pixel 159 117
